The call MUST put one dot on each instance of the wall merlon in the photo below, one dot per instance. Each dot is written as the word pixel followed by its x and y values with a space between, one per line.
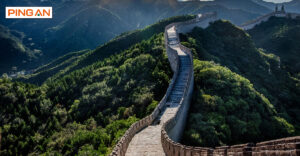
pixel 171 129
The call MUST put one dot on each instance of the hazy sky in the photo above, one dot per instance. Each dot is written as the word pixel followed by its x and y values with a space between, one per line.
pixel 275 1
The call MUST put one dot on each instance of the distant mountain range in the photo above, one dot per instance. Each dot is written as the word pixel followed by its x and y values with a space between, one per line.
pixel 78 25
pixel 14 53
pixel 292 6
pixel 86 100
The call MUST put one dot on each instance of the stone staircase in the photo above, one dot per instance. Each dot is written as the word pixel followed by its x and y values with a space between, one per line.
pixel 158 134
pixel 181 81
pixel 143 138
pixel 147 142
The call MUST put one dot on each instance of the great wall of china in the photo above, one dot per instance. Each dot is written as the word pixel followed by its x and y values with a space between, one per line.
pixel 159 133
pixel 277 13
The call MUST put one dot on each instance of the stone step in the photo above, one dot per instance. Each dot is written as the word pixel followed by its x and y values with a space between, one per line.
pixel 183 76
pixel 184 57
pixel 183 79
pixel 187 59
pixel 184 73
pixel 182 69
pixel 175 97
pixel 177 101
pixel 178 89
pixel 181 84
pixel 173 94
pixel 185 65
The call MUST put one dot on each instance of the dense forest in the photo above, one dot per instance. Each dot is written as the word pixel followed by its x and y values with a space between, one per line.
pixel 14 53
pixel 86 24
pixel 244 94
pixel 83 102
pixel 77 60
pixel 280 36
pixel 87 110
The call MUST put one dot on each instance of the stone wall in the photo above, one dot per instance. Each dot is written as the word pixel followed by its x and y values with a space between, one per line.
pixel 202 21
pixel 172 54
pixel 122 145
pixel 253 23
pixel 281 147
pixel 177 123
pixel 172 129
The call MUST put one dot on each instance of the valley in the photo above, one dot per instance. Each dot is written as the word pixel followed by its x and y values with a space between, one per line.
pixel 73 29
pixel 187 84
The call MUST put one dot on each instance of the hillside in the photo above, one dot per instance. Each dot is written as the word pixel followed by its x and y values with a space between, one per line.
pixel 13 52
pixel 91 32
pixel 247 5
pixel 86 100
pixel 78 25
pixel 292 6
pixel 238 104
pixel 62 66
pixel 86 106
pixel 90 116
pixel 281 38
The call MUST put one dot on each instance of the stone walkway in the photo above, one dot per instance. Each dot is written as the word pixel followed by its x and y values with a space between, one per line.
pixel 148 141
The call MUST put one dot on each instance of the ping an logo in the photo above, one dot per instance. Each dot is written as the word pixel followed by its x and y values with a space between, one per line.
pixel 28 12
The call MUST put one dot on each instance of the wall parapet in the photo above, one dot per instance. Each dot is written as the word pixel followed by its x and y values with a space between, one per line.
pixel 250 24
pixel 123 143
pixel 286 146
pixel 280 147
pixel 169 145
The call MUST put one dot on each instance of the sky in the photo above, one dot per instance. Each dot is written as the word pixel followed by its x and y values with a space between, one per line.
pixel 275 1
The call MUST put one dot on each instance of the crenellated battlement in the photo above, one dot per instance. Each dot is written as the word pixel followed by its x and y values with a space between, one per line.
pixel 159 133
pixel 276 13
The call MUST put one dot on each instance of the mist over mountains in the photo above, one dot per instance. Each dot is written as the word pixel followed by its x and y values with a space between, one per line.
pixel 292 6
pixel 86 24
pixel 79 101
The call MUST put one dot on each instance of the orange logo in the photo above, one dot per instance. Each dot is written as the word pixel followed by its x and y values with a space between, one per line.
pixel 28 12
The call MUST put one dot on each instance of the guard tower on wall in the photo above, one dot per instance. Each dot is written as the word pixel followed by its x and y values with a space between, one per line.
pixel 281 12
pixel 282 9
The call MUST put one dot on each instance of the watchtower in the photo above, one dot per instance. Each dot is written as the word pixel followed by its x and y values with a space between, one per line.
pixel 282 9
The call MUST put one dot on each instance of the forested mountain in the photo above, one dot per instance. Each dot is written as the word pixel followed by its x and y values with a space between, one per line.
pixel 292 6
pixel 280 36
pixel 78 25
pixel 250 99
pixel 88 107
pixel 86 100
pixel 73 61
pixel 247 5
pixel 84 111
pixel 13 52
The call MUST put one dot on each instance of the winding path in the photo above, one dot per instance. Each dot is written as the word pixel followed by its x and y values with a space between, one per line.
pixel 148 141
pixel 158 134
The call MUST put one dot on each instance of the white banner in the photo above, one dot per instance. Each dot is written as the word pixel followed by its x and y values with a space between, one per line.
pixel 28 12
